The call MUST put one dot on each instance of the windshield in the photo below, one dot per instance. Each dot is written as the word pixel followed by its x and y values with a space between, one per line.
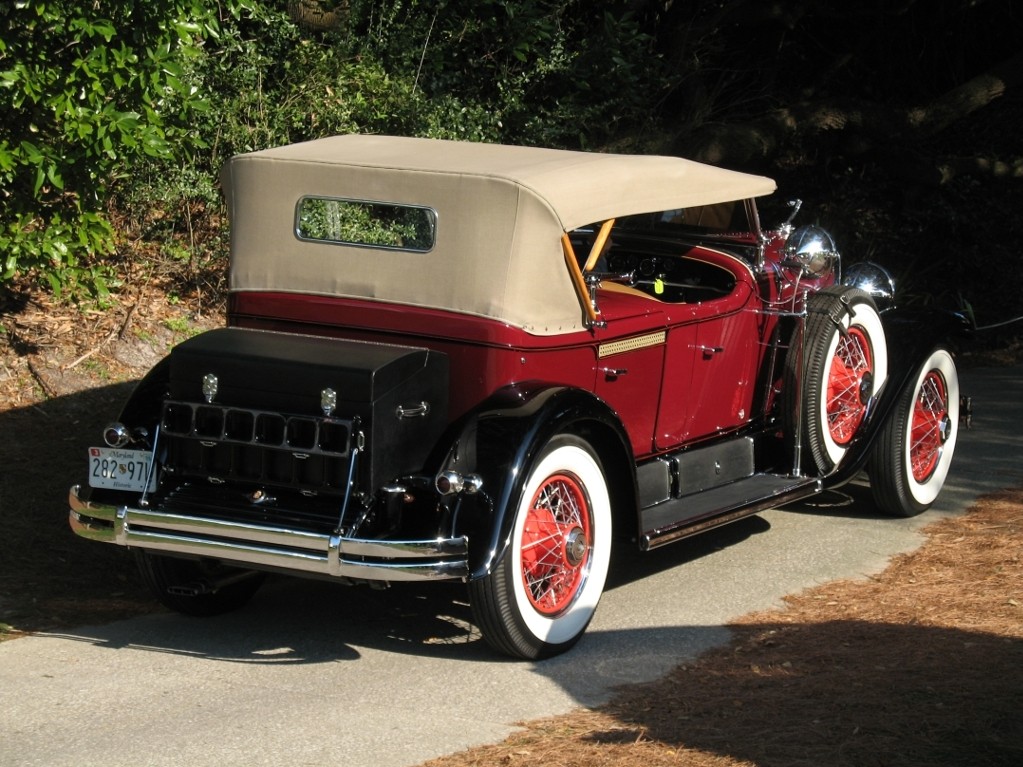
pixel 721 219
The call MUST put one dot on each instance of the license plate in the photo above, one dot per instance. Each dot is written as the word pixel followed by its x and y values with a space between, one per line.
pixel 117 469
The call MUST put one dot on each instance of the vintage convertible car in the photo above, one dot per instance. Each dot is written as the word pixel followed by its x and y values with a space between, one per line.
pixel 449 360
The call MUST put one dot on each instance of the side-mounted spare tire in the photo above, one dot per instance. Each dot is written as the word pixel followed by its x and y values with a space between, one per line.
pixel 910 461
pixel 843 365
pixel 540 595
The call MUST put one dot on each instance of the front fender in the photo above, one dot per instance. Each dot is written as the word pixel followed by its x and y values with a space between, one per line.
pixel 502 440
pixel 911 335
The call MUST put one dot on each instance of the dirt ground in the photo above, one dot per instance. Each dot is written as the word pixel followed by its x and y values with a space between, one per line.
pixel 64 374
pixel 922 665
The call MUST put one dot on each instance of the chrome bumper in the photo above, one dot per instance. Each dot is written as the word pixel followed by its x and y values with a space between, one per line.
pixel 270 547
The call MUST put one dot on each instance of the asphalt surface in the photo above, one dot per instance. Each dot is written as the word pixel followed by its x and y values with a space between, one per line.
pixel 311 673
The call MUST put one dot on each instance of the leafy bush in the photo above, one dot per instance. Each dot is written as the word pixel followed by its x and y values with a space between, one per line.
pixel 553 72
pixel 87 90
pixel 137 103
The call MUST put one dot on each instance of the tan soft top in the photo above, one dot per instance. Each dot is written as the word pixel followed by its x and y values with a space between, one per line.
pixel 501 211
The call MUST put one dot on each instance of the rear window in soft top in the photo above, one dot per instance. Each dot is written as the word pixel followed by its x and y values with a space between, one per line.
pixel 366 223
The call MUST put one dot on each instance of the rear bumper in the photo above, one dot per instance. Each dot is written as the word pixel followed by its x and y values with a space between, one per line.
pixel 263 546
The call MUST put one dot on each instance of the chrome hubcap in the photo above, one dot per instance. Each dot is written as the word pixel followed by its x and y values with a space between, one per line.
pixel 576 546
pixel 945 429
pixel 866 387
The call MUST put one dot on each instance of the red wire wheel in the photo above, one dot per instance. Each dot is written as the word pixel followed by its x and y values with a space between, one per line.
pixel 543 589
pixel 556 544
pixel 849 383
pixel 910 461
pixel 927 434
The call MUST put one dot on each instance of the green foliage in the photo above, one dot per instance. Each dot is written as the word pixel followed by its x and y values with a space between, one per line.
pixel 133 105
pixel 59 250
pixel 273 83
pixel 554 72
pixel 87 90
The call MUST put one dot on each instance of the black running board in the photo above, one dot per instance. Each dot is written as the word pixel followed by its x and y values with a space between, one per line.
pixel 691 514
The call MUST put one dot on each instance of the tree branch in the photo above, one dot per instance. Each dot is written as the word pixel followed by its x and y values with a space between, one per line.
pixel 967 98
pixel 980 166
pixel 862 125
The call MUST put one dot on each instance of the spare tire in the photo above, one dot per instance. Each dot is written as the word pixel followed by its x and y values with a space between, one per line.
pixel 843 365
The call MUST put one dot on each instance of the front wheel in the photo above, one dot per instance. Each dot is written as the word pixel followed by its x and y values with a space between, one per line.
pixel 910 461
pixel 538 599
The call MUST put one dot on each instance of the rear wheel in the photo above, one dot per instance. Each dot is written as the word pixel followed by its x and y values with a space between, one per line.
pixel 197 587
pixel 538 599
pixel 910 461
pixel 845 361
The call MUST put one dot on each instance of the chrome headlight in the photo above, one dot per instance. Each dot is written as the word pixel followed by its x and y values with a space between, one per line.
pixel 874 280
pixel 812 249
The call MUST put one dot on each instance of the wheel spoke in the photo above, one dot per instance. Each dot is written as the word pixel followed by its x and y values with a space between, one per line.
pixel 551 578
pixel 929 414
pixel 845 407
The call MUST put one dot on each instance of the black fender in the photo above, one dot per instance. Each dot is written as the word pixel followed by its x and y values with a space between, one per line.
pixel 142 409
pixel 501 441
pixel 911 335
pixel 144 405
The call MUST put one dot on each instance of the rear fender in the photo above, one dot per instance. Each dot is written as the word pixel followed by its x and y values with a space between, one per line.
pixel 140 411
pixel 501 442
pixel 144 404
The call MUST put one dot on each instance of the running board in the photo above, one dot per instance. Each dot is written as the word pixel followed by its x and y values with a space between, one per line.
pixel 691 514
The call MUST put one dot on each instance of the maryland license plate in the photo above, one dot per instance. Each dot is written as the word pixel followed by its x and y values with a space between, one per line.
pixel 117 469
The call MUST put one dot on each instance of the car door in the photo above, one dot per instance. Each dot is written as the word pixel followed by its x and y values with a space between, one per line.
pixel 629 360
pixel 723 372
pixel 710 361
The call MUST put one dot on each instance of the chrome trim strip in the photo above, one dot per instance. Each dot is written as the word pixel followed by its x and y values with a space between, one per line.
pixel 269 546
pixel 631 344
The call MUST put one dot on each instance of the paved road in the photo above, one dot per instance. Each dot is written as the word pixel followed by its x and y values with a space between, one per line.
pixel 311 673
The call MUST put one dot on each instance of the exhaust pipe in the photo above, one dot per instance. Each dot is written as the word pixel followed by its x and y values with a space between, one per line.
pixel 204 586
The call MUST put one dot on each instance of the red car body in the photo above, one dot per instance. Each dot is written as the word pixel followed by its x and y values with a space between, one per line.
pixel 438 365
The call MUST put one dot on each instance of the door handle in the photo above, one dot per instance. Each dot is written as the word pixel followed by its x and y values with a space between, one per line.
pixel 413 411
